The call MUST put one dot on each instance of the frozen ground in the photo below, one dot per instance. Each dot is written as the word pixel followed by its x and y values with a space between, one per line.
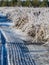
pixel 18 50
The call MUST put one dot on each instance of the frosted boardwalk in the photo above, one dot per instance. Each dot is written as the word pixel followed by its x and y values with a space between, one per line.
pixel 16 50
pixel 11 52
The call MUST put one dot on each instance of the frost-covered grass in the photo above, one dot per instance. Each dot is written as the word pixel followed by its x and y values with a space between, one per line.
pixel 34 22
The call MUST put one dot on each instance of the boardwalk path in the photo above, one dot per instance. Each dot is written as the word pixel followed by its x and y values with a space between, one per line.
pixel 14 51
